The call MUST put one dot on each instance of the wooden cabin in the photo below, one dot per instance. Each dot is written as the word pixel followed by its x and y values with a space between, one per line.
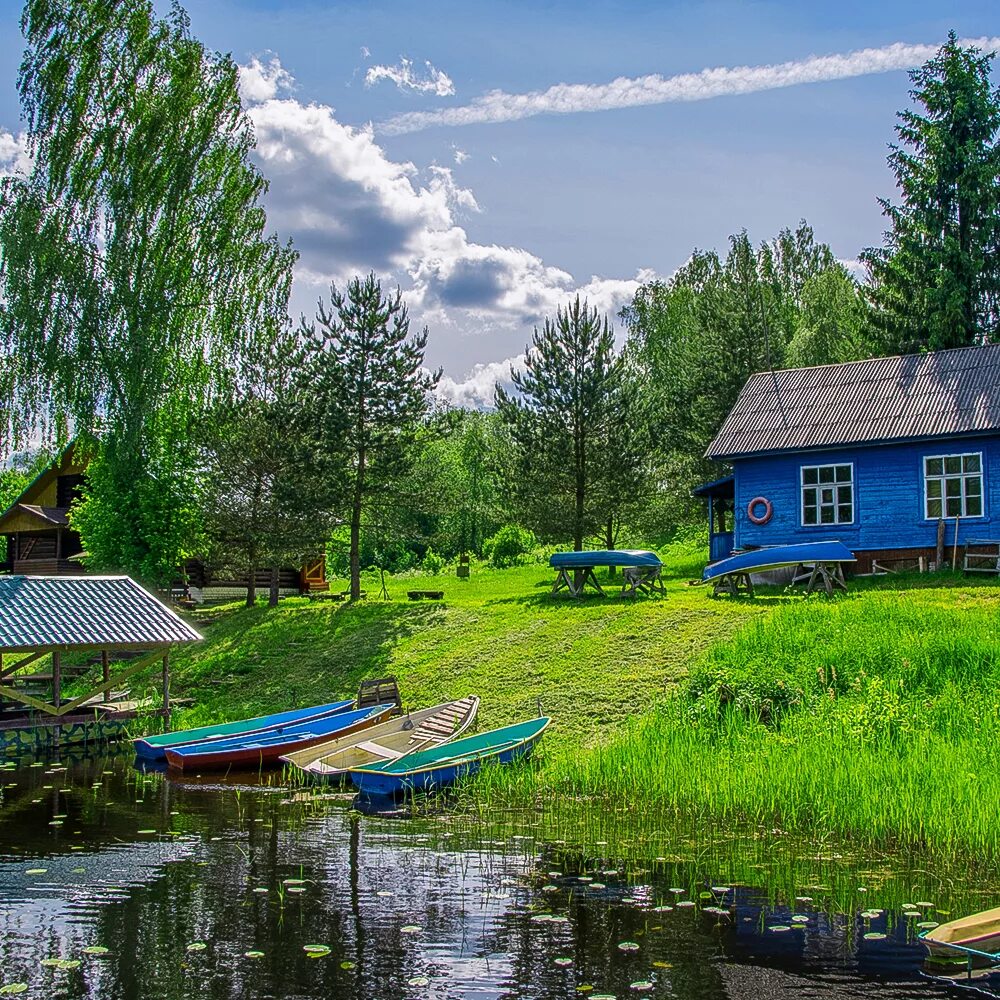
pixel 40 540
pixel 898 458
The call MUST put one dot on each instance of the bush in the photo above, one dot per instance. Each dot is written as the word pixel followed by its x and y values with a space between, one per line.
pixel 433 563
pixel 508 546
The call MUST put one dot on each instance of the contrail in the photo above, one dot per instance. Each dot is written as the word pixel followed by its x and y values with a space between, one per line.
pixel 630 92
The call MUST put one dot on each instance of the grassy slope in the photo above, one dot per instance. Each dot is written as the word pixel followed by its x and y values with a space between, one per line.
pixel 500 635
pixel 874 716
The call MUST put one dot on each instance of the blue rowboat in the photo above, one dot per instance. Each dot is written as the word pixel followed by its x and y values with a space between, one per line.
pixel 778 557
pixel 604 557
pixel 264 749
pixel 441 766
pixel 155 747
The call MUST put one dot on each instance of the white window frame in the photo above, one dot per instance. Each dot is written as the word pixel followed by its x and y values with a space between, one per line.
pixel 803 486
pixel 963 476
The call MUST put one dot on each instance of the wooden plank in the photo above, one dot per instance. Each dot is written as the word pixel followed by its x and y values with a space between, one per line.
pixel 141 664
pixel 7 671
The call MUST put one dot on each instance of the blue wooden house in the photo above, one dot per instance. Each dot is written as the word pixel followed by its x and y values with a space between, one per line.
pixel 873 453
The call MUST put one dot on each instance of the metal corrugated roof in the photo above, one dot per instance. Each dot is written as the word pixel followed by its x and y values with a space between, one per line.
pixel 39 612
pixel 937 394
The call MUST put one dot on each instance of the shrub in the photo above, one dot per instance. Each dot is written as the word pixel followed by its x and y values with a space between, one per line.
pixel 508 546
pixel 433 563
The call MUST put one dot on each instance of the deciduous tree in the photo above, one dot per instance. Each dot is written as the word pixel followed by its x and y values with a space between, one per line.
pixel 134 259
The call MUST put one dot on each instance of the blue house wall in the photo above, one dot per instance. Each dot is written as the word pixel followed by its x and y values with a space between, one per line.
pixel 888 495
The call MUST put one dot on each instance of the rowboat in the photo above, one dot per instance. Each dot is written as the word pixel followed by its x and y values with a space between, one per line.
pixel 442 765
pixel 779 557
pixel 977 934
pixel 264 749
pixel 155 747
pixel 422 730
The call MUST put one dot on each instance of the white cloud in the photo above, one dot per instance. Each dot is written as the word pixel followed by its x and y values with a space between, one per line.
pixel 476 390
pixel 628 92
pixel 852 266
pixel 460 155
pixel 365 52
pixel 263 82
pixel 349 208
pixel 14 156
pixel 403 76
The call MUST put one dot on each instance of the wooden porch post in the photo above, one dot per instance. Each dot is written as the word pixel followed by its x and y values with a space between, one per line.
pixel 106 674
pixel 166 685
pixel 56 678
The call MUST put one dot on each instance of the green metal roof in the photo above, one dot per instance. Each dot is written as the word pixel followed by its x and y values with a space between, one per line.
pixel 102 612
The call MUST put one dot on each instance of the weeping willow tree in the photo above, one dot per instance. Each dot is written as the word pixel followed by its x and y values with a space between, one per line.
pixel 134 261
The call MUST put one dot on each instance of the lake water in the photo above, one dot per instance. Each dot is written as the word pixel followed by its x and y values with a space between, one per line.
pixel 206 889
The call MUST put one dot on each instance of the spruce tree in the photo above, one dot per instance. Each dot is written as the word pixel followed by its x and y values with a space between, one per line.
pixel 559 419
pixel 371 391
pixel 935 283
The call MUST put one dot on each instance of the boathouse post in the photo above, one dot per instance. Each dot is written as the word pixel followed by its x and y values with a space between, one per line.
pixel 106 673
pixel 166 686
pixel 56 678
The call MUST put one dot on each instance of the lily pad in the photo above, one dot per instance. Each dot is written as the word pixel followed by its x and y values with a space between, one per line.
pixel 347 965
pixel 36 871
pixel 874 936
pixel 13 988
pixel 563 961
pixel 316 950
pixel 410 929
pixel 641 986
pixel 95 949
pixel 418 981
pixel 627 946
pixel 253 954
pixel 197 946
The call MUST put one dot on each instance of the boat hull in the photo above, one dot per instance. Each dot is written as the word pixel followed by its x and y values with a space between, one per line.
pixel 155 747
pixel 387 784
pixel 779 556
pixel 978 931
pixel 269 753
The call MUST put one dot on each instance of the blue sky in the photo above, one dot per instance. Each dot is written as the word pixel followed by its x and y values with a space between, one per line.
pixel 489 217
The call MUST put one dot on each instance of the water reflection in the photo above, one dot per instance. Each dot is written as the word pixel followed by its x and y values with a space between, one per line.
pixel 215 889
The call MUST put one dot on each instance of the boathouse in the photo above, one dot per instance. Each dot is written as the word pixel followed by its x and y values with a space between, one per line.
pixel 88 638
pixel 898 458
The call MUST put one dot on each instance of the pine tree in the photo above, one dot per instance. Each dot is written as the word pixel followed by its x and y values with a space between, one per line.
pixel 935 283
pixel 371 392
pixel 559 419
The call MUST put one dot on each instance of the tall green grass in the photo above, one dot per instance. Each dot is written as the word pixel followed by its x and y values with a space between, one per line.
pixel 875 718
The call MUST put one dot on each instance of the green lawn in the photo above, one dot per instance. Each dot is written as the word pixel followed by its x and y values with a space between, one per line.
pixel 592 663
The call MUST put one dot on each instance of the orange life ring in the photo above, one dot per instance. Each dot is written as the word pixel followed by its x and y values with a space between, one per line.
pixel 760 518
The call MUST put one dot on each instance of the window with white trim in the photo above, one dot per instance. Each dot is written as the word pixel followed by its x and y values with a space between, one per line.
pixel 953 485
pixel 828 494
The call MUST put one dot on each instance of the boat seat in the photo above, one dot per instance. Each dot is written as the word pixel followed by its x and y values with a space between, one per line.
pixel 380 751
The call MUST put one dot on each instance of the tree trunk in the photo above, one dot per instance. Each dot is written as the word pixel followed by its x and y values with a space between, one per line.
pixel 609 539
pixel 356 530
pixel 272 596
pixel 252 584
